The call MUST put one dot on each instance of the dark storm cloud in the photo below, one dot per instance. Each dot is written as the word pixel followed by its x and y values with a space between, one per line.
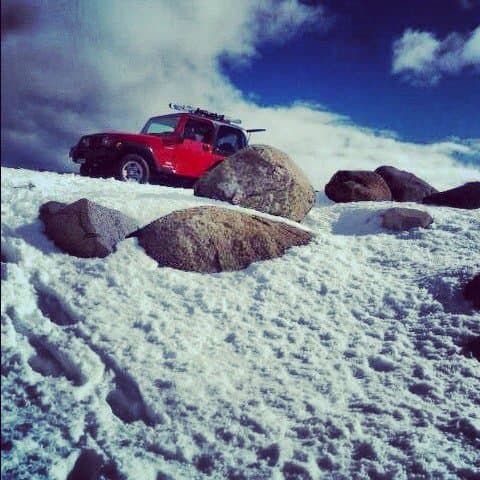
pixel 17 16
pixel 49 93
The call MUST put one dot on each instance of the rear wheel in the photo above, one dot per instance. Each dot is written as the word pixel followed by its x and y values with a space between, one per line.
pixel 133 168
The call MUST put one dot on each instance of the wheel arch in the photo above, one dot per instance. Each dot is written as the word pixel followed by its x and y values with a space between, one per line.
pixel 145 152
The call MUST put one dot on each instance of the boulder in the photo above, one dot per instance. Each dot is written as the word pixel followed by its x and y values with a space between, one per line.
pixel 213 239
pixel 85 228
pixel 471 291
pixel 405 219
pixel 405 186
pixel 357 185
pixel 466 196
pixel 262 178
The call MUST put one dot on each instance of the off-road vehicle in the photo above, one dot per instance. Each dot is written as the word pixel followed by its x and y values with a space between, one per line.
pixel 180 145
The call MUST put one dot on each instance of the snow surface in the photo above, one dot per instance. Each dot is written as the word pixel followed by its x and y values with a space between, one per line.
pixel 343 359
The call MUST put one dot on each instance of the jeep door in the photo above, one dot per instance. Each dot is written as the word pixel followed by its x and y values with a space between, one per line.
pixel 195 154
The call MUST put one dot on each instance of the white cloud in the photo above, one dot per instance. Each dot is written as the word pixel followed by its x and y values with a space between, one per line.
pixel 471 50
pixel 422 59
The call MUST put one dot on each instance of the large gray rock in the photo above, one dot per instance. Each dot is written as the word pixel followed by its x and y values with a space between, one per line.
pixel 405 219
pixel 356 186
pixel 85 228
pixel 466 196
pixel 260 177
pixel 213 239
pixel 405 186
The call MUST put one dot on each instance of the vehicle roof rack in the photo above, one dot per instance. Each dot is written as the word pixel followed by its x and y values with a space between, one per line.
pixel 203 113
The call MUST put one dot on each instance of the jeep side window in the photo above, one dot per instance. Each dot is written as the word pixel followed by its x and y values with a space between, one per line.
pixel 229 140
pixel 198 131
pixel 161 125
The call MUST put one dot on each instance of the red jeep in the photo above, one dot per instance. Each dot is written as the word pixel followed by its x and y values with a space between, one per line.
pixel 181 145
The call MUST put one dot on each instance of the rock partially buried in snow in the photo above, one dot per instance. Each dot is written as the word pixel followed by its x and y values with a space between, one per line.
pixel 405 186
pixel 260 177
pixel 471 291
pixel 85 228
pixel 212 239
pixel 357 185
pixel 466 196
pixel 405 219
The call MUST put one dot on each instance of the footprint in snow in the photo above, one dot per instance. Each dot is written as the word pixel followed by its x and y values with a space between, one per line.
pixel 127 402
pixel 49 360
pixel 51 305
pixel 381 364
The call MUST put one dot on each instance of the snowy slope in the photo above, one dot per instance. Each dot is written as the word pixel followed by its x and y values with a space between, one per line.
pixel 342 359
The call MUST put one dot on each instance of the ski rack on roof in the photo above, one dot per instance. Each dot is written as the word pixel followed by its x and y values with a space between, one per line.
pixel 203 113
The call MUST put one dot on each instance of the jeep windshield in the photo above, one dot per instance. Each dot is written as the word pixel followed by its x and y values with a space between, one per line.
pixel 159 125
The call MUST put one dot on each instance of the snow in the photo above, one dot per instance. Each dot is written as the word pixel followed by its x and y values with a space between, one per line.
pixel 343 358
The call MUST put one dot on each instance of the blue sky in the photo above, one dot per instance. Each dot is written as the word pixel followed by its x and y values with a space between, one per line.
pixel 346 66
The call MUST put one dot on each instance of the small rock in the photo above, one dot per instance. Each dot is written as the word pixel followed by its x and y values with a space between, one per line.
pixel 213 239
pixel 467 196
pixel 85 228
pixel 357 185
pixel 471 291
pixel 260 177
pixel 405 219
pixel 405 186
pixel 471 346
pixel 87 467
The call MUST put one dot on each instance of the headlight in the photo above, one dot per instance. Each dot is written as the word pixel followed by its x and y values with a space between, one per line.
pixel 85 142
pixel 106 141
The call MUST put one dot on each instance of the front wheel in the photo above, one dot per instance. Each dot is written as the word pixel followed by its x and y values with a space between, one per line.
pixel 133 168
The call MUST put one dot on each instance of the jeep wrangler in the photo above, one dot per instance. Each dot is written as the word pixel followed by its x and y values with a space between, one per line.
pixel 181 145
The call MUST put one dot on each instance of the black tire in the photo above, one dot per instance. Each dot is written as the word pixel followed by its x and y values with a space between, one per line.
pixel 85 170
pixel 133 168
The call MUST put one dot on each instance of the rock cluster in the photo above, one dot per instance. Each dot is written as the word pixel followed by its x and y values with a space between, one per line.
pixel 390 183
pixel 202 239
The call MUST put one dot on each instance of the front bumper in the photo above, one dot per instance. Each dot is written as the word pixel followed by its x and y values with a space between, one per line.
pixel 98 157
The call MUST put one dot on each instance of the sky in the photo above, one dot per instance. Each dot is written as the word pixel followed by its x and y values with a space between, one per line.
pixel 408 66
pixel 355 84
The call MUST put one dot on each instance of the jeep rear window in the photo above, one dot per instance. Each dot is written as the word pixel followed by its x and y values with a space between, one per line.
pixel 161 124
pixel 232 137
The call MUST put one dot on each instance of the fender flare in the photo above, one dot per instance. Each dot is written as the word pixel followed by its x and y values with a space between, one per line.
pixel 140 149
